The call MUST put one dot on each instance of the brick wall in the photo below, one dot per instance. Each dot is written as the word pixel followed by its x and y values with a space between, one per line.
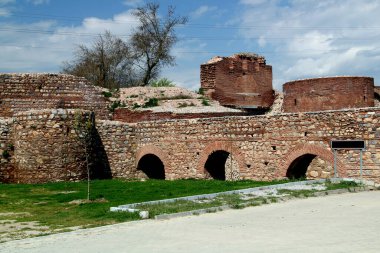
pixel 22 92
pixel 331 93
pixel 238 81
pixel 126 115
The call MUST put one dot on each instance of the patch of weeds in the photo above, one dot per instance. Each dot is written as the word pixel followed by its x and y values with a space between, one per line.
pixel 341 185
pixel 201 91
pixel 163 82
pixel 181 96
pixel 6 154
pixel 152 102
pixel 116 104
pixel 183 105
pixel 205 102
pixel 107 94
pixel 135 106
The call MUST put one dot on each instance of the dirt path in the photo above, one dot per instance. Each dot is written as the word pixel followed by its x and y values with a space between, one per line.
pixel 340 223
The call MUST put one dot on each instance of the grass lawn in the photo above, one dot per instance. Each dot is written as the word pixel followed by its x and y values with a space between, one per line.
pixel 49 204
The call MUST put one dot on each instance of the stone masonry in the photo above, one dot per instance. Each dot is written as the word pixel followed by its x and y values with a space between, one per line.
pixel 42 145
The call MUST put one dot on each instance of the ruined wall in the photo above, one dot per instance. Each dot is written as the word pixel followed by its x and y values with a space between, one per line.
pixel 241 81
pixel 6 150
pixel 47 148
pixel 133 116
pixel 262 147
pixel 329 93
pixel 23 92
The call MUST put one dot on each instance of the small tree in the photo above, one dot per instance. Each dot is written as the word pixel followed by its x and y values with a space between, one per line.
pixel 84 128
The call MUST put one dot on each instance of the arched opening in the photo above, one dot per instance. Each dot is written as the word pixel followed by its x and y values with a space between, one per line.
pixel 152 166
pixel 216 164
pixel 299 166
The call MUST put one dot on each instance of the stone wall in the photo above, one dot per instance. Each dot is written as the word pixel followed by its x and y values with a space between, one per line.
pixel 330 93
pixel 6 150
pixel 263 147
pixel 23 92
pixel 239 81
pixel 47 148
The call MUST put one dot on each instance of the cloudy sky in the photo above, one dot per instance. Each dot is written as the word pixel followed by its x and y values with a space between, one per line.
pixel 299 38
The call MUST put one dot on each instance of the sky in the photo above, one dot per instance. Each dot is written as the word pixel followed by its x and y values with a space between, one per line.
pixel 299 38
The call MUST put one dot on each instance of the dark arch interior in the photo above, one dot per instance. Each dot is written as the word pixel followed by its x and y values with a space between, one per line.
pixel 152 166
pixel 215 164
pixel 298 168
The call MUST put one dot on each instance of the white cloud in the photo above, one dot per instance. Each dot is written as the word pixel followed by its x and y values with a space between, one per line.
pixel 39 2
pixel 4 12
pixel 252 2
pixel 202 10
pixel 315 38
pixel 33 48
pixel 133 3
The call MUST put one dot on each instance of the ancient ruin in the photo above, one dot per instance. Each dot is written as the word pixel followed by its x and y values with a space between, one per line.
pixel 39 141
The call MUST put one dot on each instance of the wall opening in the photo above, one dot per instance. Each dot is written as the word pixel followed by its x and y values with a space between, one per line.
pixel 216 164
pixel 298 168
pixel 152 166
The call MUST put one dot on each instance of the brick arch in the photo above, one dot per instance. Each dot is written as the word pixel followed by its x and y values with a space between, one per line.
pixel 219 145
pixel 320 151
pixel 154 150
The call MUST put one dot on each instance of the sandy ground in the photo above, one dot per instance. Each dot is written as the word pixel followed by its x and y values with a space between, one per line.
pixel 338 223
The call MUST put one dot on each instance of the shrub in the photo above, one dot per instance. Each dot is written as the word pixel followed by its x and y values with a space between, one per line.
pixel 201 91
pixel 107 94
pixel 151 102
pixel 205 102
pixel 6 154
pixel 163 82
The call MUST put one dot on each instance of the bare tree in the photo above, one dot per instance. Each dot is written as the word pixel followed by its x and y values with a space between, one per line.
pixel 112 63
pixel 107 63
pixel 153 39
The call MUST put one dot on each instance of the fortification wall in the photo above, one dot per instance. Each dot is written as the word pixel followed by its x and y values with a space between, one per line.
pixel 23 92
pixel 238 81
pixel 262 147
pixel 330 93
pixel 47 148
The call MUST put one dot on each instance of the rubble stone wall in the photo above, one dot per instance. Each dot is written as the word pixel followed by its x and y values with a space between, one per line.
pixel 47 148
pixel 263 147
pixel 23 92
pixel 6 150
pixel 331 93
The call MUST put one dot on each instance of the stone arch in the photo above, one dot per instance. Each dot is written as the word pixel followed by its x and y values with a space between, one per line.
pixel 221 146
pixel 152 151
pixel 311 149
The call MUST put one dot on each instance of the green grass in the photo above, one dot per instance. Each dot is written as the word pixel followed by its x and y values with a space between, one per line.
pixel 49 203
